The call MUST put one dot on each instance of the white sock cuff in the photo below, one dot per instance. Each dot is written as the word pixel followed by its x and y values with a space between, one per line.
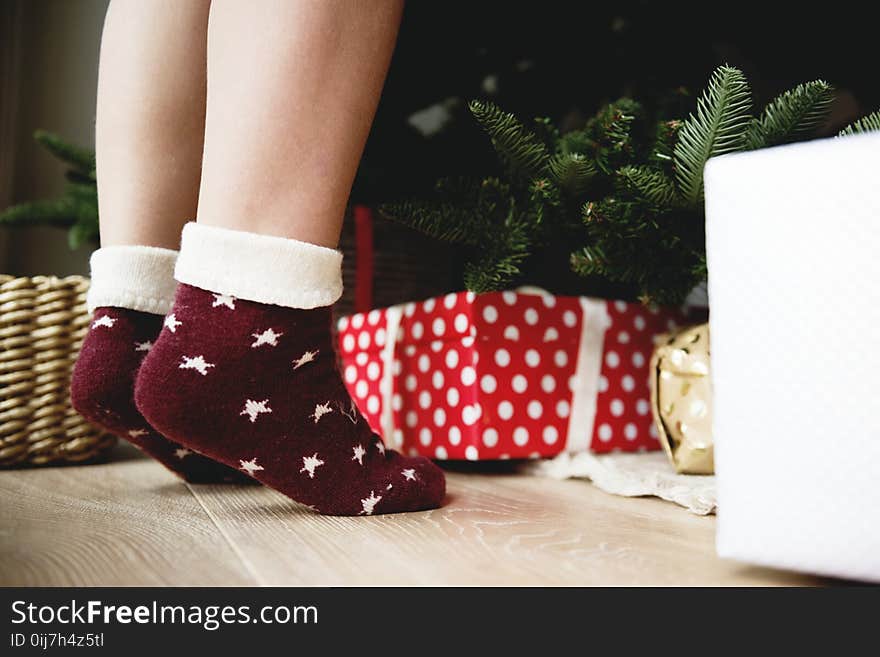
pixel 261 268
pixel 134 277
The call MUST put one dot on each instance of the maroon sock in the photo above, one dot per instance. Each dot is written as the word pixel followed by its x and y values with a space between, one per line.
pixel 255 385
pixel 102 391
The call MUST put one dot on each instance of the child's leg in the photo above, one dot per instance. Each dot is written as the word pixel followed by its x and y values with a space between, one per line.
pixel 248 373
pixel 149 133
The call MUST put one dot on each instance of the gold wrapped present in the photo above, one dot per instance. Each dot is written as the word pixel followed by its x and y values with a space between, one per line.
pixel 681 399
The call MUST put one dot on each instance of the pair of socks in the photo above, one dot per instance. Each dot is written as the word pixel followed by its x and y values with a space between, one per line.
pixel 232 373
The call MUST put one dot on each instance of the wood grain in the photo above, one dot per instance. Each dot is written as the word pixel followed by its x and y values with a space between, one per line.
pixel 132 523
pixel 126 523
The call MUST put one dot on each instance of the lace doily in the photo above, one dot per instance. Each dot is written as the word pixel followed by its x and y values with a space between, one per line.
pixel 633 475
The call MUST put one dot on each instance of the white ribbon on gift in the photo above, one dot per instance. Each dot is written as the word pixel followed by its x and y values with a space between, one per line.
pixel 585 388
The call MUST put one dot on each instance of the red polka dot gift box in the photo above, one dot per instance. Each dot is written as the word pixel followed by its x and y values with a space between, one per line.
pixel 505 374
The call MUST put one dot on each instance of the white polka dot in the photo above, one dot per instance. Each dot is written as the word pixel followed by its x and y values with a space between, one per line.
pixel 351 374
pixel 569 318
pixel 533 358
pixel 628 383
pixel 612 360
pixel 653 432
pixel 605 433
pixel 519 383
pixel 410 350
pixel 467 342
pixel 509 297
pixel 562 408
pixel 452 397
pixel 470 414
pixel 424 363
pixel 560 358
pixel 357 321
pixel 470 296
pixel 490 437
pixel 573 383
pixel 438 326
pixel 374 317
pixel 452 359
pixel 534 409
pixel 488 384
pixel 549 300
pixel 502 358
pixel 396 402
pixel 449 300
pixel 468 375
pixel 531 316
pixel 505 410
pixel 639 323
pixel 623 337
pixel 409 309
pixel 490 314
pixel 616 407
pixel 548 383
pixel 417 330
pixel 379 339
pixel 439 417
pixel 429 305
pixel 424 399
pixel 361 359
pixel 454 435
pixel 521 436
pixel 550 434
pixel 631 431
pixel 410 382
pixel 511 333
pixel 461 322
pixel 440 453
pixel 638 359
pixel 373 404
pixel 620 306
pixel 642 407
pixel 437 379
pixel 412 451
pixel 396 367
pixel 397 438
pixel 348 342
pixel 551 335
pixel 361 389
pixel 603 383
pixel 342 324
pixel 471 453
pixel 425 436
pixel 373 371
pixel 412 419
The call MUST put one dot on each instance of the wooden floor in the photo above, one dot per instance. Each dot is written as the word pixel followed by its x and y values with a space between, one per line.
pixel 129 522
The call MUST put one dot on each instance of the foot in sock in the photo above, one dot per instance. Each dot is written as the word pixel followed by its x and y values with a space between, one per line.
pixel 255 385
pixel 102 385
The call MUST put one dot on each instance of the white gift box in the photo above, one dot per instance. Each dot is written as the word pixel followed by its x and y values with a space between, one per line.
pixel 793 243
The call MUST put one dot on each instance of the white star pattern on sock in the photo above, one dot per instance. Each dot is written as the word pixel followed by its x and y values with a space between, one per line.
pixel 104 320
pixel 307 357
pixel 320 411
pixel 369 503
pixel 143 346
pixel 182 452
pixel 409 473
pixel 196 363
pixel 253 408
pixel 350 413
pixel 381 447
pixel 359 452
pixel 269 336
pixel 136 433
pixel 224 300
pixel 250 466
pixel 389 487
pixel 310 463
pixel 171 323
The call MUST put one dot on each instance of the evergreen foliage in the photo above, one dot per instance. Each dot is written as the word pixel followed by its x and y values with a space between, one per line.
pixel 623 193
pixel 77 209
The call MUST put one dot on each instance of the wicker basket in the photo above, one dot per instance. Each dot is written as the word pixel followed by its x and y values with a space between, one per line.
pixel 42 323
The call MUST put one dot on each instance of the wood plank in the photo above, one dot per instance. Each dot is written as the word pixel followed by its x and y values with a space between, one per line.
pixel 125 523
pixel 497 529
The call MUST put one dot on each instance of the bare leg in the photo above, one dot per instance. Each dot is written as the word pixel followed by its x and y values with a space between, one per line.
pixel 150 119
pixel 292 89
